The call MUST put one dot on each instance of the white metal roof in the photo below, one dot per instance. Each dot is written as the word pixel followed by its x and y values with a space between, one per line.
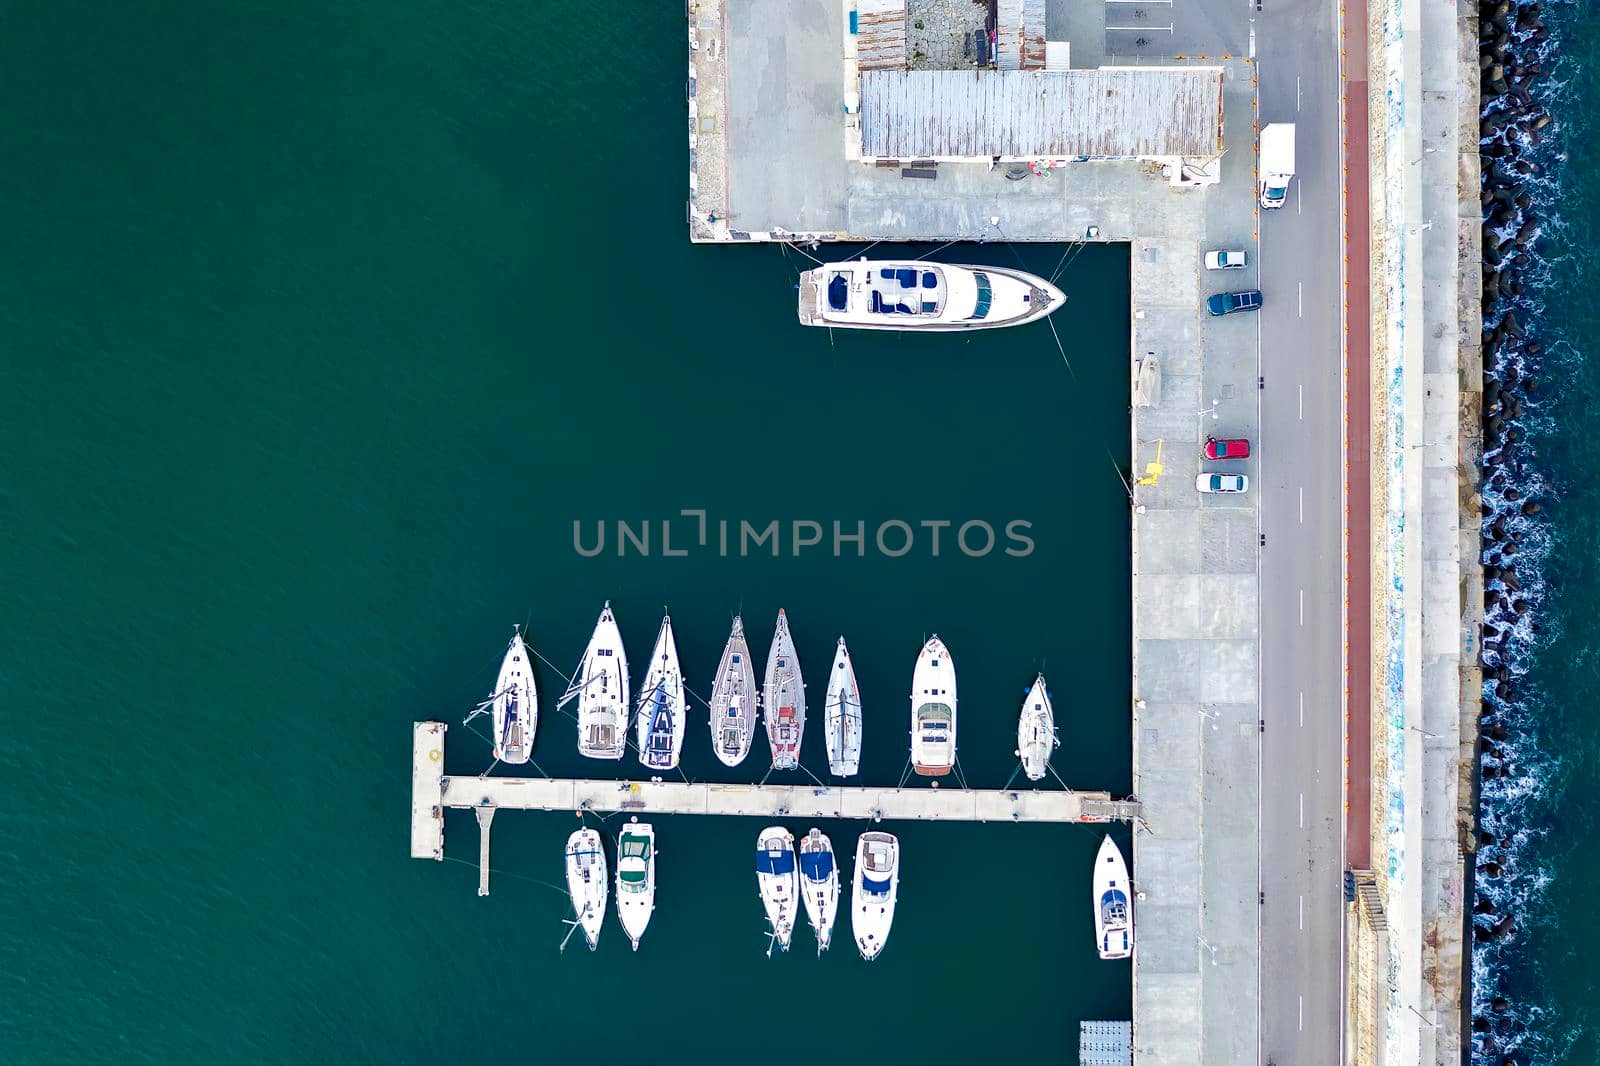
pixel 881 40
pixel 1019 34
pixel 1116 113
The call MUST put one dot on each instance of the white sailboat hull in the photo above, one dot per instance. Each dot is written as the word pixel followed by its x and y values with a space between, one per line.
pixel 602 692
pixel 784 699
pixel 586 882
pixel 516 705
pixel 874 890
pixel 1113 903
pixel 1036 731
pixel 933 711
pixel 777 878
pixel 733 700
pixel 843 719
pixel 819 885
pixel 661 705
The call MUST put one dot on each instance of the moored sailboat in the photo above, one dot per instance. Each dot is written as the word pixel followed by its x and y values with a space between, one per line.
pixel 586 882
pixel 784 699
pixel 843 719
pixel 661 705
pixel 778 881
pixel 933 710
pixel 601 688
pixel 1036 731
pixel 733 700
pixel 874 890
pixel 819 885
pixel 636 878
pixel 516 704
pixel 1113 906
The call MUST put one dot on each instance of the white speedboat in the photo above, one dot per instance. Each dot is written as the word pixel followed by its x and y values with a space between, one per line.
pixel 733 700
pixel 1113 904
pixel 661 705
pixel 873 892
pixel 922 297
pixel 1036 731
pixel 601 689
pixel 784 699
pixel 933 711
pixel 586 882
pixel 819 885
pixel 636 878
pixel 516 704
pixel 778 880
pixel 843 721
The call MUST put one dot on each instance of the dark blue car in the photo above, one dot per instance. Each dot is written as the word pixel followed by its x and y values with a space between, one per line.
pixel 1226 303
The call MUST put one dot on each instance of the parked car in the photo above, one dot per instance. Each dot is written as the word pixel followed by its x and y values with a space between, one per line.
pixel 1221 260
pixel 1226 303
pixel 1222 483
pixel 1229 448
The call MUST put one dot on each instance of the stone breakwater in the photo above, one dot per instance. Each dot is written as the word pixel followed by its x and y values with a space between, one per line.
pixel 1516 52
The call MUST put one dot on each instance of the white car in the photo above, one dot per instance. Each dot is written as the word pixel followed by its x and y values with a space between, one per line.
pixel 1220 260
pixel 1222 483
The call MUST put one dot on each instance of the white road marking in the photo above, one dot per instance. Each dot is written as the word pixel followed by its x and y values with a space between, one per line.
pixel 1301 390
pixel 1302 1014
pixel 1297 92
pixel 1302 912
pixel 1297 196
pixel 1300 297
pixel 1302 810
pixel 1302 710
pixel 1302 606
pixel 1302 503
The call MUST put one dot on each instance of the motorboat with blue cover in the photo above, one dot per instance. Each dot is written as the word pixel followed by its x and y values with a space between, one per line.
pixel 922 297
pixel 778 881
pixel 819 885
pixel 1113 908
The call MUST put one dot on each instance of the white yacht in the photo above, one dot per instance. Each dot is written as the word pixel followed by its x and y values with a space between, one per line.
pixel 661 705
pixel 922 297
pixel 586 882
pixel 1036 731
pixel 784 699
pixel 600 686
pixel 843 721
pixel 873 892
pixel 778 881
pixel 733 700
pixel 933 711
pixel 636 878
pixel 516 704
pixel 1113 905
pixel 819 885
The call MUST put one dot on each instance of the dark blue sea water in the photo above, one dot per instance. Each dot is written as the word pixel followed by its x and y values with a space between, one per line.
pixel 1540 814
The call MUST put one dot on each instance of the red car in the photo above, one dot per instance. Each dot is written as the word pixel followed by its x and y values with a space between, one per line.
pixel 1227 449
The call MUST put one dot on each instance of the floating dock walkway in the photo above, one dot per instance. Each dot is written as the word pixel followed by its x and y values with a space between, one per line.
pixel 432 791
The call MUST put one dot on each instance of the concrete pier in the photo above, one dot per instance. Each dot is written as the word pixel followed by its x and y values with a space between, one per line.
pixel 432 792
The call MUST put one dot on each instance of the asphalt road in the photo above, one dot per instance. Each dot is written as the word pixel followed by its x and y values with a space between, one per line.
pixel 1300 511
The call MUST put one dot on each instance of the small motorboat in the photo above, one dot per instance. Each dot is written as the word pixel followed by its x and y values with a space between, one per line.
pixel 1113 907
pixel 921 297
pixel 516 704
pixel 778 881
pixel 733 700
pixel 661 705
pixel 843 721
pixel 1036 731
pixel 586 882
pixel 819 885
pixel 636 878
pixel 873 892
pixel 784 699
pixel 600 686
pixel 933 711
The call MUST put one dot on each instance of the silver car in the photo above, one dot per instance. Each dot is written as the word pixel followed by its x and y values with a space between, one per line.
pixel 1221 260
pixel 1222 483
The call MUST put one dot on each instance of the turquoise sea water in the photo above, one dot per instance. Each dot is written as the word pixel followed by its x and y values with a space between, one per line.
pixel 323 328
pixel 1545 966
